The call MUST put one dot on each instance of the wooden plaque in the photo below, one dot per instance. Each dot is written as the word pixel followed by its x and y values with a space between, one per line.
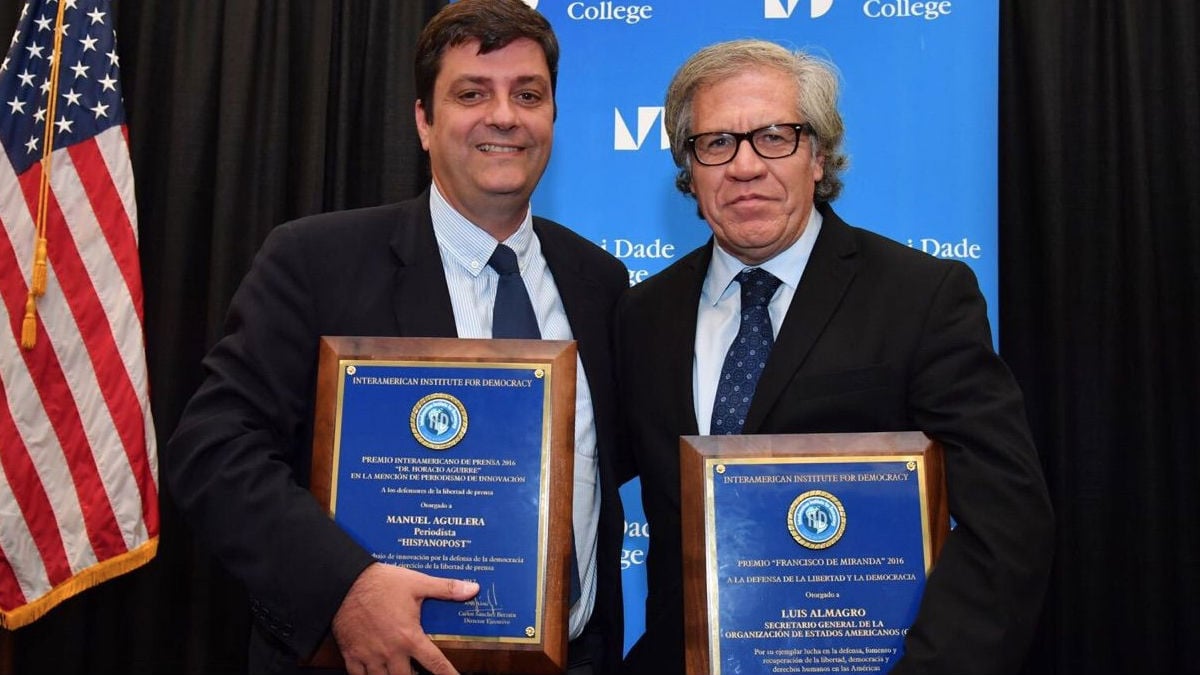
pixel 455 457
pixel 806 550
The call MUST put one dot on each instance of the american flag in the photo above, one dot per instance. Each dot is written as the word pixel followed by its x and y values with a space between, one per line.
pixel 78 464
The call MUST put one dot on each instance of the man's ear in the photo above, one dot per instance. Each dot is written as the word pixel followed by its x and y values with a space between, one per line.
pixel 422 124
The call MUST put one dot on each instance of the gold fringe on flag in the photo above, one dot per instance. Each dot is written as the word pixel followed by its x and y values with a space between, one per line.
pixel 100 572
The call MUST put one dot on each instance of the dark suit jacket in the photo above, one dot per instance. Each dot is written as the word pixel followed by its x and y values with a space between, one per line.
pixel 878 337
pixel 238 462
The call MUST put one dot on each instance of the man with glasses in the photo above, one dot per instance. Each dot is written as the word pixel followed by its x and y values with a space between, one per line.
pixel 792 321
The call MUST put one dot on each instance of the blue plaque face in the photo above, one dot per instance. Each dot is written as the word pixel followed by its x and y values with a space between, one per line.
pixel 814 565
pixel 442 468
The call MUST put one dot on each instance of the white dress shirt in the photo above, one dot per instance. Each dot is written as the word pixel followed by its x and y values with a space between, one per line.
pixel 465 250
pixel 720 311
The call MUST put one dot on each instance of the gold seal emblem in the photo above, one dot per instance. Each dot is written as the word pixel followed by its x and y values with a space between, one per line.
pixel 817 519
pixel 438 421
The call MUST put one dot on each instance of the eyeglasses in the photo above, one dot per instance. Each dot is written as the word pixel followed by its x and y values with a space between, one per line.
pixel 772 142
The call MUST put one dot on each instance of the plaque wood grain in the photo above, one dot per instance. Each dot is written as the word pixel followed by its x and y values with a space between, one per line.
pixel 548 653
pixel 695 450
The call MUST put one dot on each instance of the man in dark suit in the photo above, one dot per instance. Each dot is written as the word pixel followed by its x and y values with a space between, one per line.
pixel 238 463
pixel 840 330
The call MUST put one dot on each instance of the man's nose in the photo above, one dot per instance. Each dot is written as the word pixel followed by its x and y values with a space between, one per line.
pixel 502 113
pixel 746 163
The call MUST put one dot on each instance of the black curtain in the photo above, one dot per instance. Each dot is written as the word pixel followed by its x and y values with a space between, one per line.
pixel 246 113
pixel 1100 316
pixel 242 114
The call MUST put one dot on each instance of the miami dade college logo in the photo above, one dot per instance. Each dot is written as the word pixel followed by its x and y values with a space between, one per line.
pixel 782 9
pixel 648 117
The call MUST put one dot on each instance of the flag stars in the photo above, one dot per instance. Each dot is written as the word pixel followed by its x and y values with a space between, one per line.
pixel 89 194
pixel 88 60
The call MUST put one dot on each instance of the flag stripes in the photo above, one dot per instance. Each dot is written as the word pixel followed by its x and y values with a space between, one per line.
pixel 78 467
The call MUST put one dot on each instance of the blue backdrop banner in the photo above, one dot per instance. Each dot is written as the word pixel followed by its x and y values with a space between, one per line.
pixel 919 98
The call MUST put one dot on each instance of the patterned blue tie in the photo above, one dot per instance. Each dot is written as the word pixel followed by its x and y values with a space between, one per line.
pixel 512 315
pixel 747 355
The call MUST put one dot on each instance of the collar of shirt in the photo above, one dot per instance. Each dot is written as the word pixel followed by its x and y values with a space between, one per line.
pixel 466 244
pixel 465 250
pixel 788 266
pixel 719 311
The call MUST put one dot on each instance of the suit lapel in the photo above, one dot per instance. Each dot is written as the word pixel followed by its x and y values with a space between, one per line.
pixel 831 267
pixel 421 300
pixel 676 334
pixel 578 290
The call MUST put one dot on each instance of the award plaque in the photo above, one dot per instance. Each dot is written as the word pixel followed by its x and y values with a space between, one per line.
pixel 454 457
pixel 806 553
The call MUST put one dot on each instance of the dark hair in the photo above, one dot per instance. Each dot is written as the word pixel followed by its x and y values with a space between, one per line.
pixel 493 23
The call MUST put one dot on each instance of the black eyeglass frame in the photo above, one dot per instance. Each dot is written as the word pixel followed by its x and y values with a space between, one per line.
pixel 801 128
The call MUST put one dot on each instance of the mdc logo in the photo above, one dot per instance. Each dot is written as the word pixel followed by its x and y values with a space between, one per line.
pixel 648 117
pixel 782 9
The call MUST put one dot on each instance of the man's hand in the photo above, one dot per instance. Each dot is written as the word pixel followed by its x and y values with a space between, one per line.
pixel 378 626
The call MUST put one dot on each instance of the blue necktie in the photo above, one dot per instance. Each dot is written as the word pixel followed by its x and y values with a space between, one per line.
pixel 513 317
pixel 747 355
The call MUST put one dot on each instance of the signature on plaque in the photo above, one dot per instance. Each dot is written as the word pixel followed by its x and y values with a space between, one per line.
pixel 487 603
